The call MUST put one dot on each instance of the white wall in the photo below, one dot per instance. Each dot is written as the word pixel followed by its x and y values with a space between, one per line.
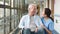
pixel 57 7
pixel 57 15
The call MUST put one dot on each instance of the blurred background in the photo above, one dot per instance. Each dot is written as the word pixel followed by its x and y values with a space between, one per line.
pixel 11 12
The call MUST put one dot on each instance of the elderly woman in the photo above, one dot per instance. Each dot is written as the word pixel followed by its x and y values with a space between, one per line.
pixel 30 23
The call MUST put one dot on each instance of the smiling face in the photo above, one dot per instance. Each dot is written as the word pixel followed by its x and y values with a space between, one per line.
pixel 46 12
pixel 32 9
pixel 43 13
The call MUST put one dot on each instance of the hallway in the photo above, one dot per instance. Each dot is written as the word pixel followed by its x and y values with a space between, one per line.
pixel 11 12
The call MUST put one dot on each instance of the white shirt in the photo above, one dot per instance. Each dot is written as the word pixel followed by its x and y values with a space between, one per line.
pixel 32 23
pixel 25 21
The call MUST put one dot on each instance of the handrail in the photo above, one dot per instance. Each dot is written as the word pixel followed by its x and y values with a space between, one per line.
pixel 13 31
pixel 16 31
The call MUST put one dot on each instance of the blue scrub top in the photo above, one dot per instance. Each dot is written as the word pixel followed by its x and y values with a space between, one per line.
pixel 48 24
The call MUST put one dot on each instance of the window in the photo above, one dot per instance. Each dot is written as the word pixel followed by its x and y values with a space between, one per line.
pixel 7 19
pixel 2 26
pixel 1 20
pixel 7 12
pixel 1 12
pixel 12 19
pixel 12 3
pixel 2 2
pixel 12 12
pixel 7 2
pixel 16 3
pixel 15 18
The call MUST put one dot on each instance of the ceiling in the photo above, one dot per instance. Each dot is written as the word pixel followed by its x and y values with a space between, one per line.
pixel 33 1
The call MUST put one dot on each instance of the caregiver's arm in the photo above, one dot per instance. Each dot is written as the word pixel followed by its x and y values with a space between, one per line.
pixel 48 31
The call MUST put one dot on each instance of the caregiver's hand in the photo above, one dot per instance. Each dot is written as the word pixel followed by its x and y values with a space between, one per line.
pixel 42 26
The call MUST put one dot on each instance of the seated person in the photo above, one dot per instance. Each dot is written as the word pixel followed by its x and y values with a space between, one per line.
pixel 30 23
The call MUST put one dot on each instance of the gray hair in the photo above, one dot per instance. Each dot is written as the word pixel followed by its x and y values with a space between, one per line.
pixel 31 5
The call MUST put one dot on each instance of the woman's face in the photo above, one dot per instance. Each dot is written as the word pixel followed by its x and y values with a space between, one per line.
pixel 43 13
